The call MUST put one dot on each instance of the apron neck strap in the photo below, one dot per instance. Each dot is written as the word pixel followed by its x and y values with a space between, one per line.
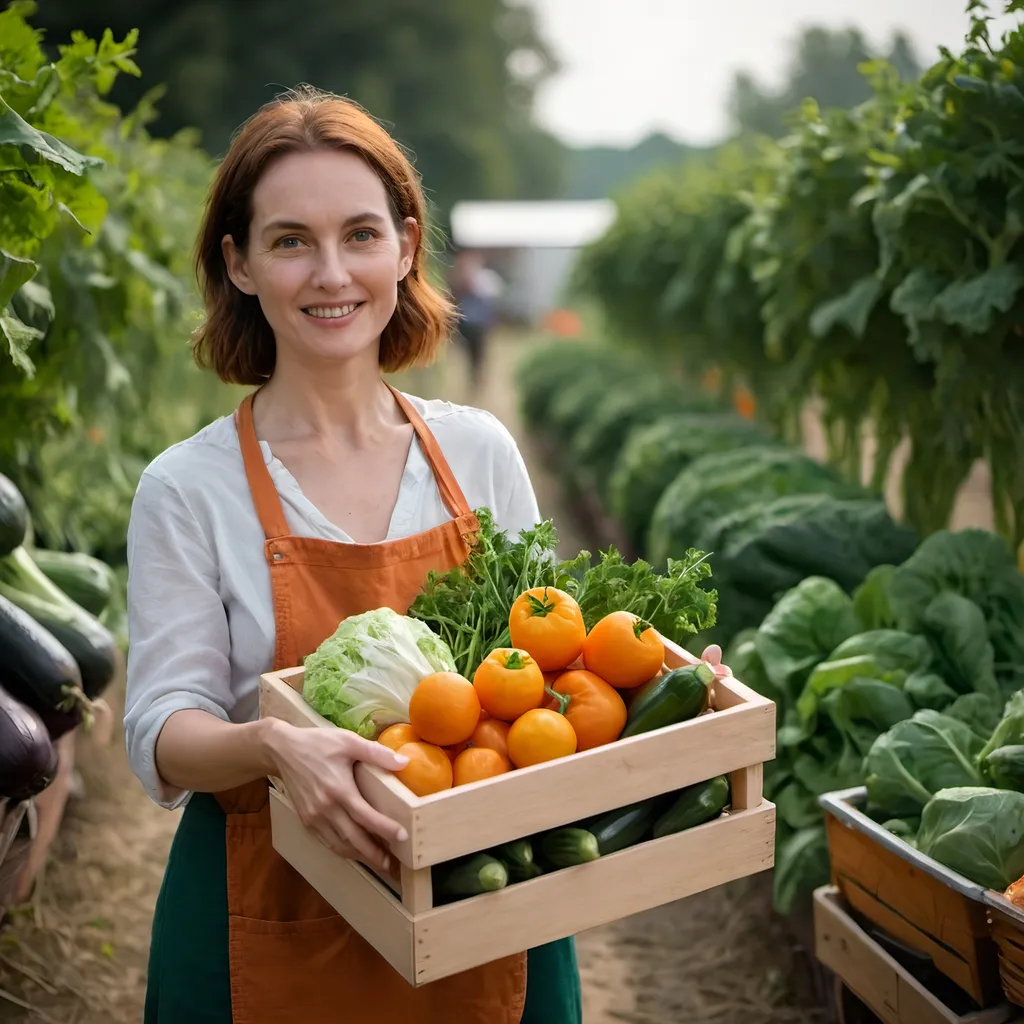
pixel 261 485
pixel 268 501
pixel 451 493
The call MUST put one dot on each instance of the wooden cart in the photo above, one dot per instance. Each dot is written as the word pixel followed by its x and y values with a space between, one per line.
pixel 424 942
pixel 911 897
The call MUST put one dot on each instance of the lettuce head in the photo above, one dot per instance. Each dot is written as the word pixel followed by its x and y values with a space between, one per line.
pixel 362 676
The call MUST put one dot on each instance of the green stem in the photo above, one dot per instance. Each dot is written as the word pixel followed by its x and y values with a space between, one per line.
pixel 563 699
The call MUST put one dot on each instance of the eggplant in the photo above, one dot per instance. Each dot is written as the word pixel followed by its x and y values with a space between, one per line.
pixel 35 667
pixel 28 759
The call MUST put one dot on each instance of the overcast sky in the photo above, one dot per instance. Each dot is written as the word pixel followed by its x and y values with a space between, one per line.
pixel 631 67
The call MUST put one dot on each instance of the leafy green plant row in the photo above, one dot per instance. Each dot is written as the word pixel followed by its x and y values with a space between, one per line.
pixel 677 470
pixel 97 221
pixel 872 262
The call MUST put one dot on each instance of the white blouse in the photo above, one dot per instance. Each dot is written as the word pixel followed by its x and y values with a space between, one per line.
pixel 200 612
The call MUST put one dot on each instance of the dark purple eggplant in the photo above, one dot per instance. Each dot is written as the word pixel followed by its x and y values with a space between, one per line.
pixel 35 667
pixel 28 760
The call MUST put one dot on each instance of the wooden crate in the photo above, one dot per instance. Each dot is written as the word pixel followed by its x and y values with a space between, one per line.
pixel 1006 926
pixel 912 897
pixel 881 982
pixel 425 943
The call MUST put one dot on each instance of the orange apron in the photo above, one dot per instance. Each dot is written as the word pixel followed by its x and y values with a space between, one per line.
pixel 292 957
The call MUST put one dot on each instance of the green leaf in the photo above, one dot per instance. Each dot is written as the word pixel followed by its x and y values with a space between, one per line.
pixel 18 336
pixel 14 272
pixel 972 304
pixel 16 131
pixel 852 310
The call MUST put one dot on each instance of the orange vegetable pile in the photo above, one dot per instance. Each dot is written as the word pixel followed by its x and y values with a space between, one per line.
pixel 553 692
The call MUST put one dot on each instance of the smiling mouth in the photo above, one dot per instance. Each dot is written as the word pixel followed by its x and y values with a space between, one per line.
pixel 331 312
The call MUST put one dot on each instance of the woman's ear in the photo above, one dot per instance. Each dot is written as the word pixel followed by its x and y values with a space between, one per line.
pixel 236 265
pixel 409 244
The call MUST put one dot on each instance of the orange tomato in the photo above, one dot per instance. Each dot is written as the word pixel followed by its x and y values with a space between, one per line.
pixel 596 711
pixel 478 763
pixel 491 734
pixel 454 750
pixel 623 650
pixel 444 708
pixel 395 735
pixel 509 683
pixel 548 624
pixel 428 771
pixel 540 735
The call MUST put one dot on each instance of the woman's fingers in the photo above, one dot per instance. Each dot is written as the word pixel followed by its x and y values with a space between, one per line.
pixel 365 849
pixel 372 820
pixel 358 749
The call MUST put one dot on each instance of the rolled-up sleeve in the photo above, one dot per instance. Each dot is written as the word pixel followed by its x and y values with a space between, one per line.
pixel 178 639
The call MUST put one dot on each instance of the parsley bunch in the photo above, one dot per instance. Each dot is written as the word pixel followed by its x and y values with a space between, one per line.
pixel 468 607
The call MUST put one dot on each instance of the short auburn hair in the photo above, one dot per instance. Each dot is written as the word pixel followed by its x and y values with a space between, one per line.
pixel 235 339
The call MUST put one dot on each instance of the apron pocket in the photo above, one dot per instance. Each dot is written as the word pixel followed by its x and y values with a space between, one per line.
pixel 280 970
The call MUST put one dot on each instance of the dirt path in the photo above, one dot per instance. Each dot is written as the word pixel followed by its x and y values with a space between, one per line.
pixel 78 954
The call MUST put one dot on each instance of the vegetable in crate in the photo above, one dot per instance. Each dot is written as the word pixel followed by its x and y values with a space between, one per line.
pixel 429 769
pixel 509 683
pixel 1004 767
pixel 548 624
pixel 596 711
pixel 444 708
pixel 1010 728
pixel 693 806
pixel 89 642
pixel 567 847
pixel 28 761
pixel 471 876
pixel 623 650
pixel 517 856
pixel 362 676
pixel 626 826
pixel 541 735
pixel 977 832
pixel 476 763
pixel 677 696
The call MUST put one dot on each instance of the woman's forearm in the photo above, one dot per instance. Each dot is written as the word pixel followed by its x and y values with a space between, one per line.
pixel 200 752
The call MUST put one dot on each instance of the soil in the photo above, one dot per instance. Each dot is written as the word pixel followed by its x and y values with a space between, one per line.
pixel 76 954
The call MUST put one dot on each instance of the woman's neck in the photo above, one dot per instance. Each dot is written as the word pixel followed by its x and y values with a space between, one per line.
pixel 349 403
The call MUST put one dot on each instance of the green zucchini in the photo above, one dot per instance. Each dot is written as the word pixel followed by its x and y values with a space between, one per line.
pixel 624 827
pixel 13 517
pixel 86 580
pixel 694 806
pixel 677 696
pixel 91 644
pixel 472 876
pixel 566 847
pixel 517 856
pixel 1005 767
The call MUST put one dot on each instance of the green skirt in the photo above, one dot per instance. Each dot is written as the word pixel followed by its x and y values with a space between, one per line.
pixel 188 961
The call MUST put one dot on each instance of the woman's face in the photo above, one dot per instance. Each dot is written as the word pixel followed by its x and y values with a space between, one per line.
pixel 324 256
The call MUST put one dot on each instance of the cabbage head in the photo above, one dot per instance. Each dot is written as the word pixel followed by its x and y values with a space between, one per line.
pixel 362 676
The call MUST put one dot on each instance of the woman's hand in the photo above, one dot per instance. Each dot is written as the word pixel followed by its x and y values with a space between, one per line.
pixel 316 766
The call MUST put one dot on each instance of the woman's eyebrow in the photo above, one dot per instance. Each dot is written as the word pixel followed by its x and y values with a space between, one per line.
pixel 296 225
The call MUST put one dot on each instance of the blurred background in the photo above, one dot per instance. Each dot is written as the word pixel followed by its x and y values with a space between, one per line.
pixel 674 229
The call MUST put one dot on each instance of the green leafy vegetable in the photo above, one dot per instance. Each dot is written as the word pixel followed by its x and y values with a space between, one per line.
pixel 910 763
pixel 362 676
pixel 976 831
pixel 1010 729
pixel 871 599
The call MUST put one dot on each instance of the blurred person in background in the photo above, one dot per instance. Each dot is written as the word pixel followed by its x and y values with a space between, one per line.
pixel 476 289
pixel 329 493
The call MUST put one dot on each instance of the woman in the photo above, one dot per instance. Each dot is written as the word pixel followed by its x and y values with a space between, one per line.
pixel 327 494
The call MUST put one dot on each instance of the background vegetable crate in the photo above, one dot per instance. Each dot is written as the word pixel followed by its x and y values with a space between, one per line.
pixel 912 897
pixel 424 943
pixel 1006 926
pixel 863 967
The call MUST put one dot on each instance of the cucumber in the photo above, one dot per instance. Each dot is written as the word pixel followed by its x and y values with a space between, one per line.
pixel 694 806
pixel 1005 767
pixel 13 517
pixel 86 580
pixel 674 697
pixel 566 847
pixel 624 827
pixel 517 856
pixel 473 876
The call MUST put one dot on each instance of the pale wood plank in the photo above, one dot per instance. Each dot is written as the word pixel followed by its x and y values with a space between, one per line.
pixel 461 935
pixel 355 893
pixel 417 891
pixel 747 787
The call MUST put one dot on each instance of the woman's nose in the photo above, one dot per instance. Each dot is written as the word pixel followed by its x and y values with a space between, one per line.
pixel 331 271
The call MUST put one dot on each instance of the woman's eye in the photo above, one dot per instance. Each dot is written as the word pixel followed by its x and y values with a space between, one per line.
pixel 290 242
pixel 363 235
